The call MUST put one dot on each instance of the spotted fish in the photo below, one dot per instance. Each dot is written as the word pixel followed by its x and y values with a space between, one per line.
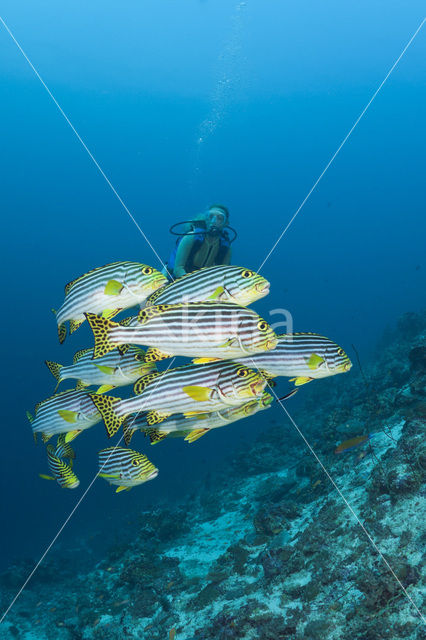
pixel 61 471
pixel 220 283
pixel 112 370
pixel 209 330
pixel 193 428
pixel 125 467
pixel 302 357
pixel 67 412
pixel 106 290
pixel 189 389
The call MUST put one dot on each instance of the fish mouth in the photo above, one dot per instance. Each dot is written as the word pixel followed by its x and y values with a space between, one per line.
pixel 257 387
pixel 74 485
pixel 152 475
pixel 263 288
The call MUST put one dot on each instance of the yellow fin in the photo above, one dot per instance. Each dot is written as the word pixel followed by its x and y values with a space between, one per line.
pixel 110 313
pixel 154 355
pixel 216 294
pixel 101 328
pixel 69 416
pixel 194 435
pixel 122 489
pixel 75 324
pixel 113 288
pixel 108 475
pixel 199 394
pixel 300 380
pixel 70 435
pixel 191 414
pixel 46 477
pixel 104 369
pixel 314 361
pixel 155 417
pixel 45 437
pixel 80 385
pixel 204 360
pixel 105 387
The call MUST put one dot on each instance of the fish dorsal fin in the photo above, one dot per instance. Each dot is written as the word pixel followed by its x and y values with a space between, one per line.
pixel 155 435
pixel 71 284
pixel 126 322
pixel 79 354
pixel 42 402
pixel 148 313
pixel 143 382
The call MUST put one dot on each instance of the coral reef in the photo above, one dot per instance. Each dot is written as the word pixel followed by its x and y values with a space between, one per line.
pixel 271 548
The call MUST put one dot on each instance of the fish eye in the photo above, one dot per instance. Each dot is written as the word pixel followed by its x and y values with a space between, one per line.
pixel 340 352
pixel 147 271
pixel 135 462
pixel 246 273
pixel 262 325
pixel 242 373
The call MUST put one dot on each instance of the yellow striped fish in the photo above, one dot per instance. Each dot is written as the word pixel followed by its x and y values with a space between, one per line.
pixel 125 467
pixel 106 290
pixel 210 330
pixel 302 357
pixel 220 283
pixel 61 472
pixel 113 370
pixel 189 389
pixel 193 428
pixel 67 412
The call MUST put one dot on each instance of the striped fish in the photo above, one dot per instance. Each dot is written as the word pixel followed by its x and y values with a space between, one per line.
pixel 221 283
pixel 113 370
pixel 125 467
pixel 193 428
pixel 306 356
pixel 61 472
pixel 67 412
pixel 189 389
pixel 211 330
pixel 106 290
pixel 64 449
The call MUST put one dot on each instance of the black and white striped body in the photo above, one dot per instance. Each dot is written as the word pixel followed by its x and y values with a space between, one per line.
pixel 222 283
pixel 87 293
pixel 125 467
pixel 295 355
pixel 113 369
pixel 65 411
pixel 213 420
pixel 227 384
pixel 61 471
pixel 221 330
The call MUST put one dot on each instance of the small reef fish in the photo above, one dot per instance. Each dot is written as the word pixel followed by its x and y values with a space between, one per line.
pixel 66 412
pixel 113 370
pixel 206 330
pixel 306 356
pixel 352 443
pixel 125 467
pixel 193 428
pixel 106 290
pixel 189 389
pixel 222 283
pixel 61 472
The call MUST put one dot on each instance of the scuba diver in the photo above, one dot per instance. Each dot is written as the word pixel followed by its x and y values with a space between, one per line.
pixel 205 242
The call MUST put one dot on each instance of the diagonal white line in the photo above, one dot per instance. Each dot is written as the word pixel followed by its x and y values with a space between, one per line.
pixel 339 148
pixel 348 506
pixel 74 509
pixel 85 147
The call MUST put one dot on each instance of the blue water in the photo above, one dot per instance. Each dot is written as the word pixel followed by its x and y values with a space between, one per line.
pixel 138 80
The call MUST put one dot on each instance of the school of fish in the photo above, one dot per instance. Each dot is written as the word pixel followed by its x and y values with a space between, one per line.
pixel 203 316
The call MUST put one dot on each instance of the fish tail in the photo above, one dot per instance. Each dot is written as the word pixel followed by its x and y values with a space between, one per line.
pixel 55 370
pixel 101 328
pixel 106 405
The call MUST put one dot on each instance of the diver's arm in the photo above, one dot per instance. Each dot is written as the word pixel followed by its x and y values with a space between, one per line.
pixel 227 257
pixel 182 255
